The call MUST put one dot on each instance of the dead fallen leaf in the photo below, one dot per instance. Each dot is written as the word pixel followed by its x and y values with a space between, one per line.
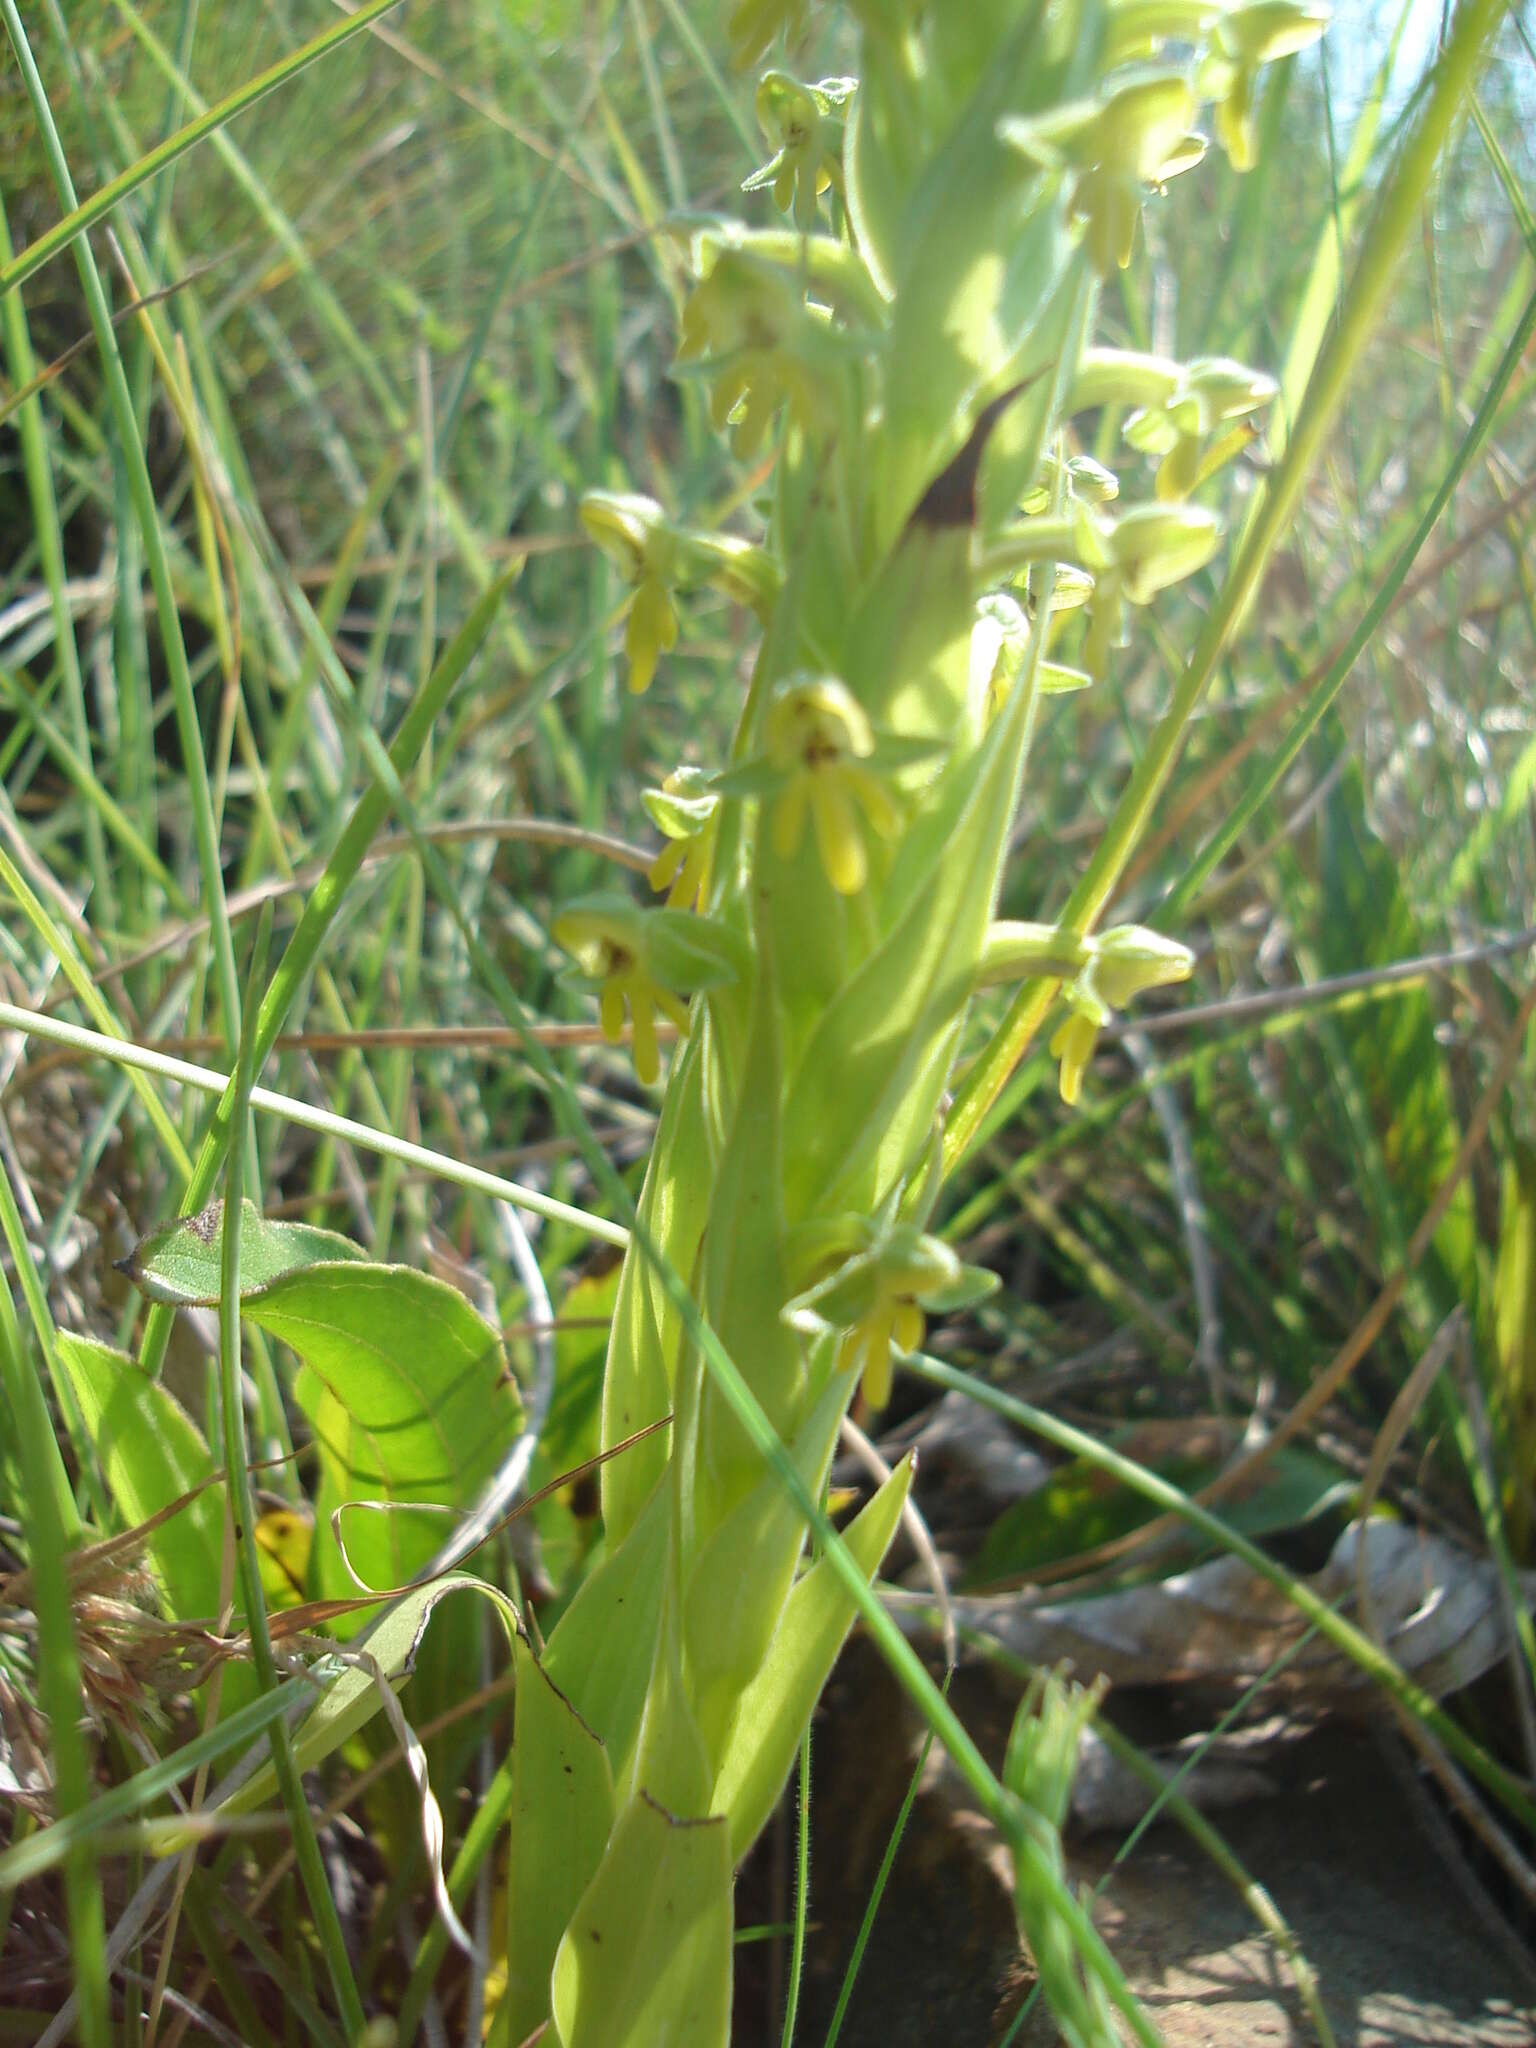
pixel 1435 1607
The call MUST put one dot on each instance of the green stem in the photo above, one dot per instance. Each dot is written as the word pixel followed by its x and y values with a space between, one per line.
pixel 208 1081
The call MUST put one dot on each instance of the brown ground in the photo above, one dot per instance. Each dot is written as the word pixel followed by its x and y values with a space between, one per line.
pixel 1404 1951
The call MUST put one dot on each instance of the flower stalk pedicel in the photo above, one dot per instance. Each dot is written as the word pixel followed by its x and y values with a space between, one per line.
pixel 937 555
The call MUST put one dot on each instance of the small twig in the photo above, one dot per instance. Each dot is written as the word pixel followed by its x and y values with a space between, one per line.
pixel 421 1038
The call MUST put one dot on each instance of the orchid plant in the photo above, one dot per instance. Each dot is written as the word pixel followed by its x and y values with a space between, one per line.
pixel 934 555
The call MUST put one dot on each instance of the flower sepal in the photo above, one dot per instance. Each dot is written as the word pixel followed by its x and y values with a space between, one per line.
pixel 1118 965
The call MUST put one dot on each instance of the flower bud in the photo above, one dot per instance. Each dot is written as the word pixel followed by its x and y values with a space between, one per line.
pixel 1156 545
pixel 816 736
pixel 631 529
pixel 1129 959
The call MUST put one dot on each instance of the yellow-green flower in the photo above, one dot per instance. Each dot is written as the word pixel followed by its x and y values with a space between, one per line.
pixel 819 740
pixel 687 810
pixel 660 558
pixel 748 328
pixel 1145 550
pixel 1137 135
pixel 876 1298
pixel 643 961
pixel 635 533
pixel 1211 392
pixel 1242 41
pixel 804 121
pixel 1120 965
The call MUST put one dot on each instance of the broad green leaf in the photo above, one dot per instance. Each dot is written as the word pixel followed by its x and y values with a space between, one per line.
pixel 757 1545
pixel 567 1525
pixel 744 1283
pixel 765 1734
pixel 670 1763
pixel 562 1811
pixel 647 1958
pixel 642 1355
pixel 179 1264
pixel 408 1394
pixel 151 1453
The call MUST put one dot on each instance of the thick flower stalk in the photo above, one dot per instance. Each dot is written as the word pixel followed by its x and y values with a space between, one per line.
pixel 935 556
